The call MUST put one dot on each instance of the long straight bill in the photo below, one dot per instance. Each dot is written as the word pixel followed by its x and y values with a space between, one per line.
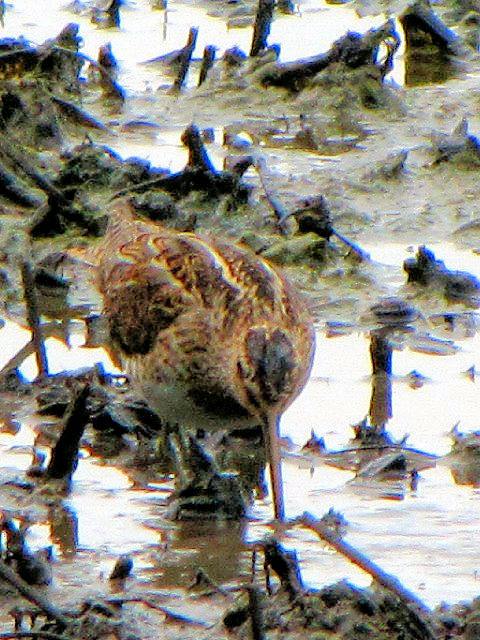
pixel 271 437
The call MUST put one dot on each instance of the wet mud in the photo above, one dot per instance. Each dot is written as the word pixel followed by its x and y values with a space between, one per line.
pixel 318 164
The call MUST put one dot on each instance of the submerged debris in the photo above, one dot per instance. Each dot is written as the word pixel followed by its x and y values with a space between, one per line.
pixel 107 71
pixel 420 19
pixel 369 435
pixel 34 568
pixel 339 609
pixel 122 568
pixel 464 457
pixel 394 312
pixel 314 215
pixel 426 270
pixel 392 168
pixel 460 146
pixel 314 444
pixel 204 491
pixel 335 522
pixel 352 50
pixel 285 564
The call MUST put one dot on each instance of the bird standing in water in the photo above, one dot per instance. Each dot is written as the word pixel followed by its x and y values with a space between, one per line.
pixel 211 334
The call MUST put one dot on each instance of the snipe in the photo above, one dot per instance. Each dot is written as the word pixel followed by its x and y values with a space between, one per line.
pixel 211 334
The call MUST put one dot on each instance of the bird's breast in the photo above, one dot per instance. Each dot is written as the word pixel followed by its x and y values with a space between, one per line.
pixel 193 404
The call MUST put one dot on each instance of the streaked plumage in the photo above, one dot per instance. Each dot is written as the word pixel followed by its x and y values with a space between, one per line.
pixel 212 335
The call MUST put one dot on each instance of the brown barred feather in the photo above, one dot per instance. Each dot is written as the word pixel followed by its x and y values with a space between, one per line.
pixel 212 334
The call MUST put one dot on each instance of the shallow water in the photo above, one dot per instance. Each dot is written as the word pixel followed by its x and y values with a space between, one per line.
pixel 145 34
pixel 425 537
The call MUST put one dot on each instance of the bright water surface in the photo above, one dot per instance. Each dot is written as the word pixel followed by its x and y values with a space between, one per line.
pixel 424 537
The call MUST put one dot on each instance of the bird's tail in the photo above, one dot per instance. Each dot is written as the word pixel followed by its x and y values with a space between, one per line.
pixel 121 224
pixel 120 229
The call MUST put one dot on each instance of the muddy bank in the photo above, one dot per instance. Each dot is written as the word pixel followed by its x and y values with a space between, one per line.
pixel 312 168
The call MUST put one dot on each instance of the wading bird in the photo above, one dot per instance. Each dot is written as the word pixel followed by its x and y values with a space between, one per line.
pixel 210 333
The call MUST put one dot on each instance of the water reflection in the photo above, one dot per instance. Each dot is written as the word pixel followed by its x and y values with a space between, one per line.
pixel 423 66
pixel 382 466
pixel 172 553
pixel 377 494
pixel 380 410
pixel 64 528
pixel 145 33
pixel 216 548
pixel 430 47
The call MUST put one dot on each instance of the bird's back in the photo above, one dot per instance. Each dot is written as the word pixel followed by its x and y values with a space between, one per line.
pixel 207 329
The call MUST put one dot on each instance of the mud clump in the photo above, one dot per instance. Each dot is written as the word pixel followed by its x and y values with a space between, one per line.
pixel 427 271
pixel 336 611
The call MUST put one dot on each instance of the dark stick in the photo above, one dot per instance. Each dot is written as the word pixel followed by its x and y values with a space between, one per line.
pixel 261 28
pixel 65 454
pixel 281 214
pixel 33 319
pixel 207 62
pixel 363 255
pixel 380 353
pixel 352 49
pixel 33 595
pixel 19 159
pixel 197 154
pixel 188 180
pixel 15 191
pixel 255 610
pixel 80 117
pixel 186 58
pixel 107 68
pixel 199 174
pixel 56 200
pixel 113 13
pixel 380 410
pixel 419 16
pixel 356 557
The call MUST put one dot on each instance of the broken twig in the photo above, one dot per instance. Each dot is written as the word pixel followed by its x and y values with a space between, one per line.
pixel 261 28
pixel 33 319
pixel 356 557
pixel 32 595
pixel 185 59
pixel 256 614
pixel 207 62
pixel 65 454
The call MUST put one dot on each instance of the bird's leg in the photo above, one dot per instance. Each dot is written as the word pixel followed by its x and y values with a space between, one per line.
pixel 272 446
